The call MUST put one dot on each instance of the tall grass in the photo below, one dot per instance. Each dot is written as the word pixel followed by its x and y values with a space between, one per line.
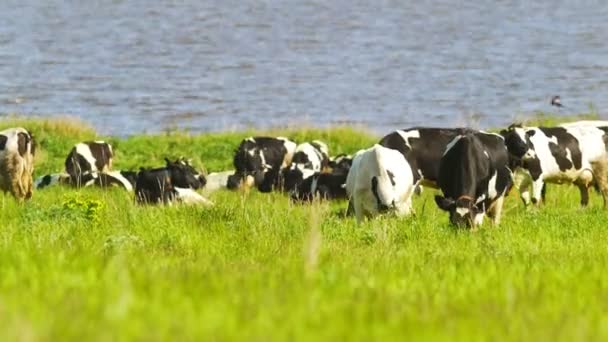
pixel 89 264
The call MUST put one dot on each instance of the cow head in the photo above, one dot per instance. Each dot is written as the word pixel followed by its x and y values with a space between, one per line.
pixel 517 140
pixel 183 175
pixel 464 212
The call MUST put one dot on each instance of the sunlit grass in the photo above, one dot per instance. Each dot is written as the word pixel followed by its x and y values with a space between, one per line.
pixel 89 264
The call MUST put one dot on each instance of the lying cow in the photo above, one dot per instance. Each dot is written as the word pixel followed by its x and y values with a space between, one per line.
pixel 570 153
pixel 164 185
pixel 258 161
pixel 17 150
pixel 308 159
pixel 474 177
pixel 88 157
pixel 423 148
pixel 124 179
pixel 379 180
pixel 328 184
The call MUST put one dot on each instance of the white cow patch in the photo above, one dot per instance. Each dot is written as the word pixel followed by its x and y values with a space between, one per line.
pixel 452 143
pixel 492 193
pixel 406 135
pixel 462 211
pixel 373 163
pixel 85 152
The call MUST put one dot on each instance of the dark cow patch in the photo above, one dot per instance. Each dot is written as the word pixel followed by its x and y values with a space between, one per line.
pixel 23 140
pixel 565 141
pixel 425 151
pixel 391 176
pixel 3 140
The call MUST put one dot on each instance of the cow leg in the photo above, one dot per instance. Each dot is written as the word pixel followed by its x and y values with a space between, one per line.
pixel 600 173
pixel 522 182
pixel 495 210
pixel 584 190
pixel 358 206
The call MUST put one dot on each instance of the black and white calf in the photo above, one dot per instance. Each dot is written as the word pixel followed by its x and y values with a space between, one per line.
pixel 174 182
pixel 258 161
pixel 309 158
pixel 88 157
pixel 330 183
pixel 379 180
pixel 474 177
pixel 423 148
pixel 572 153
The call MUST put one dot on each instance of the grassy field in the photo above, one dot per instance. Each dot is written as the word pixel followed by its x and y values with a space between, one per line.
pixel 90 265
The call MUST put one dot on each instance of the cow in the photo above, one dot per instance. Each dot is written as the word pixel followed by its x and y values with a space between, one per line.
pixel 163 185
pixel 17 150
pixel 88 157
pixel 570 153
pixel 474 176
pixel 423 147
pixel 379 180
pixel 52 179
pixel 258 161
pixel 330 183
pixel 124 179
pixel 309 158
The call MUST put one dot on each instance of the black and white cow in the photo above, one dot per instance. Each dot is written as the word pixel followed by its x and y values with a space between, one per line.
pixel 379 180
pixel 474 177
pixel 572 153
pixel 168 184
pixel 17 150
pixel 309 158
pixel 330 183
pixel 259 162
pixel 124 179
pixel 423 147
pixel 88 157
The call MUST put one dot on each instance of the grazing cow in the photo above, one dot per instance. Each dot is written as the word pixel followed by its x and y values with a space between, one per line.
pixel 573 153
pixel 162 185
pixel 259 161
pixel 379 180
pixel 474 177
pixel 423 148
pixel 17 150
pixel 88 157
pixel 308 159
pixel 327 184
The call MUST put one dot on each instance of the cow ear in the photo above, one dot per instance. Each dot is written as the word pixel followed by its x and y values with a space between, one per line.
pixel 530 133
pixel 444 203
pixel 504 132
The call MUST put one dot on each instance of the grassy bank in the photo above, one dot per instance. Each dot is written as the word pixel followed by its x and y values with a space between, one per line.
pixel 88 264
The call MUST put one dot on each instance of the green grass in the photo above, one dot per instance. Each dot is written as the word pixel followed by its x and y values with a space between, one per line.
pixel 89 264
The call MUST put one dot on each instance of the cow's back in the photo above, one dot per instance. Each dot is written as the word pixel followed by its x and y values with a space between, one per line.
pixel 423 148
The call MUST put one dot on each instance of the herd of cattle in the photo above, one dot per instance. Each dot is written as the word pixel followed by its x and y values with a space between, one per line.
pixel 473 169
